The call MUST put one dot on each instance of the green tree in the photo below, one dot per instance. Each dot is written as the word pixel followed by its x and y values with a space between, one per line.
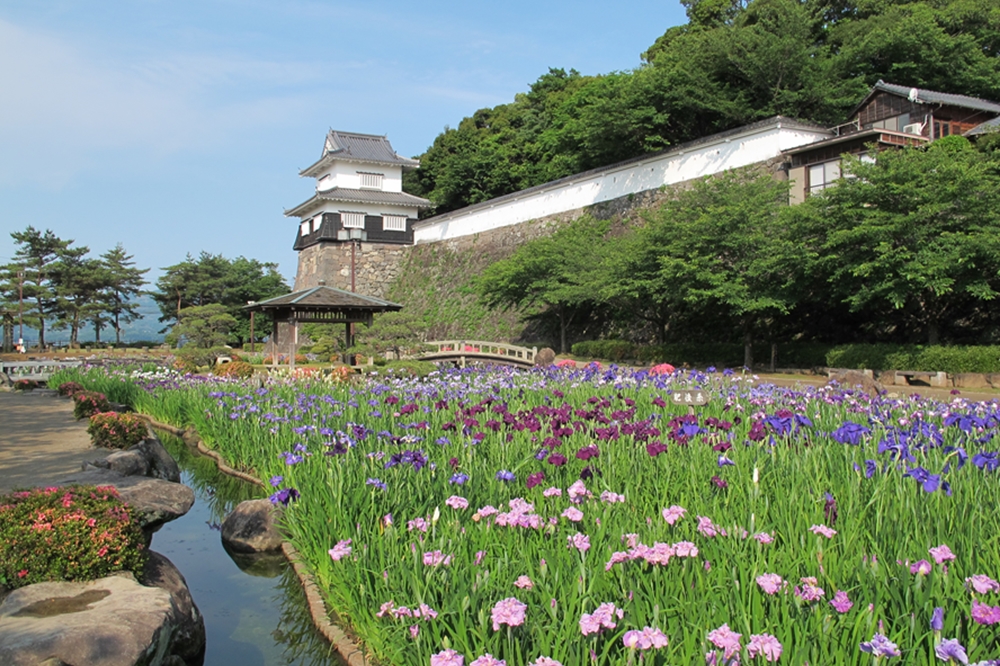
pixel 916 232
pixel 718 248
pixel 122 283
pixel 213 279
pixel 560 273
pixel 400 333
pixel 79 283
pixel 33 268
pixel 202 327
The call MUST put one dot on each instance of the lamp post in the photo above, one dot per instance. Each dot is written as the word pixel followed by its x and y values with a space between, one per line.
pixel 253 344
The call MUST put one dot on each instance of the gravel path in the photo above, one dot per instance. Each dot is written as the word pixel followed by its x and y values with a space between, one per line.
pixel 40 441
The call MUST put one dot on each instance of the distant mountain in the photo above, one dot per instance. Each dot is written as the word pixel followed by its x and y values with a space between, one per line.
pixel 145 328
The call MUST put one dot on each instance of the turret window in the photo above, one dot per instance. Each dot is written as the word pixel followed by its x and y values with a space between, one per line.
pixel 353 220
pixel 371 181
pixel 394 223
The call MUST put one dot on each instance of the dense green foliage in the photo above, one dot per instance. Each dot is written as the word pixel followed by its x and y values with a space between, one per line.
pixel 112 430
pixel 560 272
pixel 734 62
pixel 88 403
pixel 905 249
pixel 213 279
pixel 70 533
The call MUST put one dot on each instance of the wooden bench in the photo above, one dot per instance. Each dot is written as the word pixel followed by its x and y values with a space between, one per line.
pixel 906 378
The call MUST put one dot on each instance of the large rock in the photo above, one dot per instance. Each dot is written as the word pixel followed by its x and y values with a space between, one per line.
pixel 857 380
pixel 126 463
pixel 251 528
pixel 155 500
pixel 112 621
pixel 545 357
pixel 147 458
pixel 189 636
pixel 161 464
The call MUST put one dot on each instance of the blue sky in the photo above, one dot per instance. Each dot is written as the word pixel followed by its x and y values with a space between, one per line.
pixel 180 126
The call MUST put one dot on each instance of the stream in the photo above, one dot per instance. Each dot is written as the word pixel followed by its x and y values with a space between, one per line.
pixel 255 611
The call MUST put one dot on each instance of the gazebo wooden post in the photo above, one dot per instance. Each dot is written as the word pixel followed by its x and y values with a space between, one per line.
pixel 349 338
pixel 274 342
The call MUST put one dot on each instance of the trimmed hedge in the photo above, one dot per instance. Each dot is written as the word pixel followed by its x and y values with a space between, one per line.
pixel 722 355
pixel 803 355
pixel 916 357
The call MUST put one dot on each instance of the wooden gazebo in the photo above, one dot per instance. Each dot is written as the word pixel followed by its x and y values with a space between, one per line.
pixel 320 305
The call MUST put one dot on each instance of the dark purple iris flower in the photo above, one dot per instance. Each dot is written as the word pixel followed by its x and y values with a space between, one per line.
pixel 830 510
pixel 535 479
pixel 850 433
pixel 719 482
pixel 588 452
pixel 655 448
pixel 284 496
pixel 987 460
pixel 557 459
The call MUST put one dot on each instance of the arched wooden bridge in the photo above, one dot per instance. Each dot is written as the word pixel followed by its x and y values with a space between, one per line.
pixel 468 351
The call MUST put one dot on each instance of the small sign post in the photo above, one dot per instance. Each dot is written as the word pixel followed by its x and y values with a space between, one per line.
pixel 691 398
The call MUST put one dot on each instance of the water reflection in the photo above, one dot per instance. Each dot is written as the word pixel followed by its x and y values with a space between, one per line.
pixel 254 608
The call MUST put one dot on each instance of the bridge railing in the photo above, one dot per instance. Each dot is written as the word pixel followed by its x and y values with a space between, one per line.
pixel 481 348
pixel 36 370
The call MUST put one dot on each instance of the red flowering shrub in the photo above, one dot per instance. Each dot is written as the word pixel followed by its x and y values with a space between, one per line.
pixel 69 388
pixel 239 369
pixel 88 403
pixel 116 431
pixel 71 533
pixel 25 385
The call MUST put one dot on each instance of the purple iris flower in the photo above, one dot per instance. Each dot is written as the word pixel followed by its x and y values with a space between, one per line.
pixel 988 460
pixel 949 649
pixel 291 458
pixel 880 646
pixel 505 476
pixel 850 433
pixel 458 479
pixel 870 468
pixel 937 619
pixel 375 482
pixel 284 496
pixel 557 459
pixel 542 454
pixel 830 510
pixel 723 461
pixel 276 481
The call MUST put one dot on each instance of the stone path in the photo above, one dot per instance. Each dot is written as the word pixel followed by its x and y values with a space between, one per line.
pixel 40 441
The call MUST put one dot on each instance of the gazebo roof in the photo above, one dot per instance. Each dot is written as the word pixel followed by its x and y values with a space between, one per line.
pixel 325 304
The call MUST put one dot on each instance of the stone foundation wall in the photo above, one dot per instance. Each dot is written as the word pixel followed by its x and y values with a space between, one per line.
pixel 376 266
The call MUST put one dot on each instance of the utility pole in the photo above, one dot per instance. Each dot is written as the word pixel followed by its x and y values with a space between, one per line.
pixel 20 303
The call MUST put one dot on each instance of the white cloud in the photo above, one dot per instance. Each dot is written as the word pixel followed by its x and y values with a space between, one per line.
pixel 63 107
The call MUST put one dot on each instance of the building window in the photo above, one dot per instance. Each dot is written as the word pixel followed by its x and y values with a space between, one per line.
pixel 304 229
pixel 371 181
pixel 325 183
pixel 316 223
pixel 942 128
pixel 393 223
pixel 823 175
pixel 353 220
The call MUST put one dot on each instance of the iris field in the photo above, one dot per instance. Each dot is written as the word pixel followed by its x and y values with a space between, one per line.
pixel 581 517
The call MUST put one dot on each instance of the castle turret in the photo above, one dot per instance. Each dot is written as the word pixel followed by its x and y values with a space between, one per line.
pixel 359 199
